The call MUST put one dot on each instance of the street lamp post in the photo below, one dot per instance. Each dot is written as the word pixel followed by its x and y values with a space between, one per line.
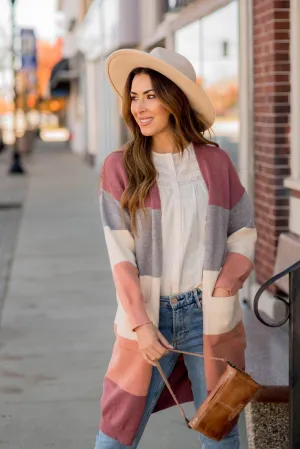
pixel 16 165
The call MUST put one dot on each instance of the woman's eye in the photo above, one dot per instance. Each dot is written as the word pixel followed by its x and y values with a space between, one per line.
pixel 150 97
pixel 133 98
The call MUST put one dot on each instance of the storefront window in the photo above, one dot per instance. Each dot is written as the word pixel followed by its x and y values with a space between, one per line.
pixel 183 39
pixel 214 55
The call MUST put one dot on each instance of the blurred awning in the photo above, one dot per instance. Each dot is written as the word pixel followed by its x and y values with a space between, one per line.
pixel 61 76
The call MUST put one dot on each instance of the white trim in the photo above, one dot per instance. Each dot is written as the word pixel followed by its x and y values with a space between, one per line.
pixel 295 88
pixel 92 118
pixel 246 95
pixel 293 184
pixel 294 223
pixel 170 41
pixel 246 163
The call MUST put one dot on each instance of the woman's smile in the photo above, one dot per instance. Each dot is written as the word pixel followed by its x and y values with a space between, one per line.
pixel 146 121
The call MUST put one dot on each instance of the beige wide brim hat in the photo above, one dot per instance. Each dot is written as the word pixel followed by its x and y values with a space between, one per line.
pixel 170 64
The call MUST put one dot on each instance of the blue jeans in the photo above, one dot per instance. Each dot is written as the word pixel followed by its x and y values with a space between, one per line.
pixel 181 322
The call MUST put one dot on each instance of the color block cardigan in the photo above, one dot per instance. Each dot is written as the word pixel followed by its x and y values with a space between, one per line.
pixel 136 263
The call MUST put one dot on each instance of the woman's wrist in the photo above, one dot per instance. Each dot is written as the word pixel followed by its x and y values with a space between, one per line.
pixel 144 325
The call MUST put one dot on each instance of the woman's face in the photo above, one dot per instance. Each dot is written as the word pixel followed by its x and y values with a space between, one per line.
pixel 149 113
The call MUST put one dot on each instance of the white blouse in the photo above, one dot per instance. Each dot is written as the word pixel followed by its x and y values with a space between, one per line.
pixel 184 201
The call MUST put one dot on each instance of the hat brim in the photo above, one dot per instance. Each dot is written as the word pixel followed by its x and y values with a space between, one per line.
pixel 121 62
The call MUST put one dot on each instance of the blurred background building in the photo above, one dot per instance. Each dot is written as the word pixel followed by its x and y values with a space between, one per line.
pixel 35 107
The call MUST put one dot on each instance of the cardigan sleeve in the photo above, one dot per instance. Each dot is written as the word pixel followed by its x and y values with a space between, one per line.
pixel 120 243
pixel 241 237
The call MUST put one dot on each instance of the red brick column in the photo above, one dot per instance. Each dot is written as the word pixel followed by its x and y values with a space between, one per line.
pixel 271 123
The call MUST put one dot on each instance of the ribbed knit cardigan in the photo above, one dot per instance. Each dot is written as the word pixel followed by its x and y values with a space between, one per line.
pixel 136 263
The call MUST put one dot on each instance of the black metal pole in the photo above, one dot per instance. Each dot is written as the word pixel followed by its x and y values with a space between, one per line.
pixel 294 368
pixel 16 163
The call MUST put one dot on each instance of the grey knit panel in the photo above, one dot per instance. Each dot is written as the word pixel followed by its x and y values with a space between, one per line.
pixel 148 243
pixel 111 213
pixel 216 237
pixel 241 215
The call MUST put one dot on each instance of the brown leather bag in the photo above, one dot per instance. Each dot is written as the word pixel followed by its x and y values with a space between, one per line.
pixel 218 414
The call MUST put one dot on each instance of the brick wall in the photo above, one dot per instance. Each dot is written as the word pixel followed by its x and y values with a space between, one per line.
pixel 271 123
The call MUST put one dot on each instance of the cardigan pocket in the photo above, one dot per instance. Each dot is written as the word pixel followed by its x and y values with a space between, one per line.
pixel 233 273
pixel 221 314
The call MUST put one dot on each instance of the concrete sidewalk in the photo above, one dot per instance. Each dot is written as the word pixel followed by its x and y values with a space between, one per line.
pixel 54 344
pixel 57 323
pixel 13 190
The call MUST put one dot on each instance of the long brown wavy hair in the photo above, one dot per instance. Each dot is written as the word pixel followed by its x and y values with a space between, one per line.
pixel 186 126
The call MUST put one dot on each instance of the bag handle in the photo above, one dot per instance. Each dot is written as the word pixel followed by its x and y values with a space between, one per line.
pixel 168 383
pixel 196 354
pixel 172 392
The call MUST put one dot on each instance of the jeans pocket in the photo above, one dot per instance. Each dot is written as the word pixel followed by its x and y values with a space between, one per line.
pixel 193 321
pixel 199 302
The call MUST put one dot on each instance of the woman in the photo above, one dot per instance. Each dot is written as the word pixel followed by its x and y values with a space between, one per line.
pixel 180 235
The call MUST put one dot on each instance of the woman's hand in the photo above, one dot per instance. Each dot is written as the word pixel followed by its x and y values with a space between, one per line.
pixel 219 291
pixel 149 340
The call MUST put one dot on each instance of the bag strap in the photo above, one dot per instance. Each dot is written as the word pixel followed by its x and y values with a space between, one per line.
pixel 168 383
pixel 171 391
pixel 196 354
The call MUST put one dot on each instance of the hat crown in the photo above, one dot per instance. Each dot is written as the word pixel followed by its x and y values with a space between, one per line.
pixel 176 60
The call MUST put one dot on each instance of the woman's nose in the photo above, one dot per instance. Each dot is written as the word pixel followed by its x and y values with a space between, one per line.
pixel 140 106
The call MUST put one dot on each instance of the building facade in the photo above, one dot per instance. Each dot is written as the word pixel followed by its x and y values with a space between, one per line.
pixel 74 73
pixel 108 26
